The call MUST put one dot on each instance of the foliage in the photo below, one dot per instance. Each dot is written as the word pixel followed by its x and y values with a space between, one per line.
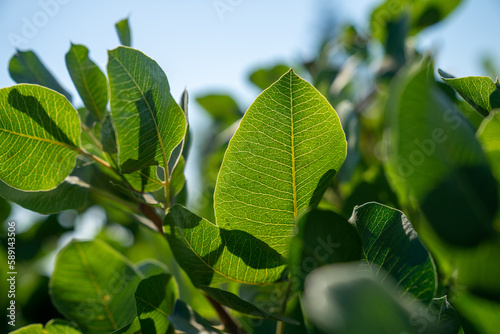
pixel 379 216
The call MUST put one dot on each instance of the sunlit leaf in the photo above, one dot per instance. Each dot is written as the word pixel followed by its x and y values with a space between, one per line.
pixel 39 137
pixel 287 149
pixel 52 327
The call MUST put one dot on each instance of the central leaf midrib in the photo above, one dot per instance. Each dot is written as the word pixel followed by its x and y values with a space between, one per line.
pixel 294 185
pixel 165 160
pixel 45 140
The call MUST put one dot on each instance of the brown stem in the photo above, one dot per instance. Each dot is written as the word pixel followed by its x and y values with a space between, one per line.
pixel 150 213
pixel 229 324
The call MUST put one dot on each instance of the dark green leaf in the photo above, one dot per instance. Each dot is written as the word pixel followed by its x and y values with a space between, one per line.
pixel 265 77
pixel 436 159
pixel 324 237
pixel 185 319
pixel 26 67
pixel 447 317
pixel 283 156
pixel 39 137
pixel 123 31
pixel 222 108
pixel 89 80
pixel 94 285
pixel 480 92
pixel 480 315
pixel 154 299
pixel 149 123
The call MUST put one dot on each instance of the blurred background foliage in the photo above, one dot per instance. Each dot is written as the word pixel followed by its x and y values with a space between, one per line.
pixel 360 72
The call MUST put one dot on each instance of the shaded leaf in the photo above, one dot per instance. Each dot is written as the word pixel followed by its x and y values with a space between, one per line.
pixel 390 242
pixel 361 304
pixel 480 315
pixel 447 317
pixel 26 67
pixel 480 92
pixel 287 149
pixel 154 299
pixel 324 237
pixel 39 137
pixel 149 123
pixel 89 80
pixel 265 77
pixel 94 285
pixel 223 108
pixel 123 31
pixel 436 159
pixel 185 319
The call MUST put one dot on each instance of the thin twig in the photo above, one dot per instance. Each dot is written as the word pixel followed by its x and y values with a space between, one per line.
pixel 230 325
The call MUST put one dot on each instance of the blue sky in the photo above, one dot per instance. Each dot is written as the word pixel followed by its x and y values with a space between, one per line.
pixel 208 50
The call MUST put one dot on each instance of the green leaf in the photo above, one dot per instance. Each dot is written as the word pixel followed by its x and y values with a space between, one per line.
pixel 178 178
pixel 343 298
pixel 447 317
pixel 390 242
pixel 185 319
pixel 149 123
pixel 212 255
pixel 94 285
pixel 265 77
pixel 123 31
pixel 108 135
pixel 39 137
pixel 89 80
pixel 26 67
pixel 324 237
pixel 436 160
pixel 132 328
pixel 479 315
pixel 154 299
pixel 223 108
pixel 490 140
pixel 283 156
pixel 56 326
pixel 480 92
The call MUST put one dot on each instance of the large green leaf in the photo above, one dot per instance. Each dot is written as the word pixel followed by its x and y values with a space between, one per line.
pixel 89 80
pixel 436 159
pixel 481 314
pixel 210 254
pixel 342 298
pixel 94 286
pixel 324 237
pixel 39 137
pixel 149 123
pixel 154 299
pixel 123 31
pixel 52 327
pixel 287 149
pixel 26 67
pixel 480 92
pixel 185 319
pixel 390 242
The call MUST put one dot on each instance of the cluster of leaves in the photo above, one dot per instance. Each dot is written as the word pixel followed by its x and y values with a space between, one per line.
pixel 298 241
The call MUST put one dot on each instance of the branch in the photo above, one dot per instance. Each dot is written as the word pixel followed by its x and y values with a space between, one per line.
pixel 229 324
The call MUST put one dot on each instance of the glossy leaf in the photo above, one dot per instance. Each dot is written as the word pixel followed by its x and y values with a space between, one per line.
pixel 223 108
pixel 342 298
pixel 212 255
pixel 287 149
pixel 436 159
pixel 26 67
pixel 89 80
pixel 52 327
pixel 265 77
pixel 94 286
pixel 39 137
pixel 447 317
pixel 154 299
pixel 324 237
pixel 149 123
pixel 390 242
pixel 480 92
pixel 185 319
pixel 123 30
